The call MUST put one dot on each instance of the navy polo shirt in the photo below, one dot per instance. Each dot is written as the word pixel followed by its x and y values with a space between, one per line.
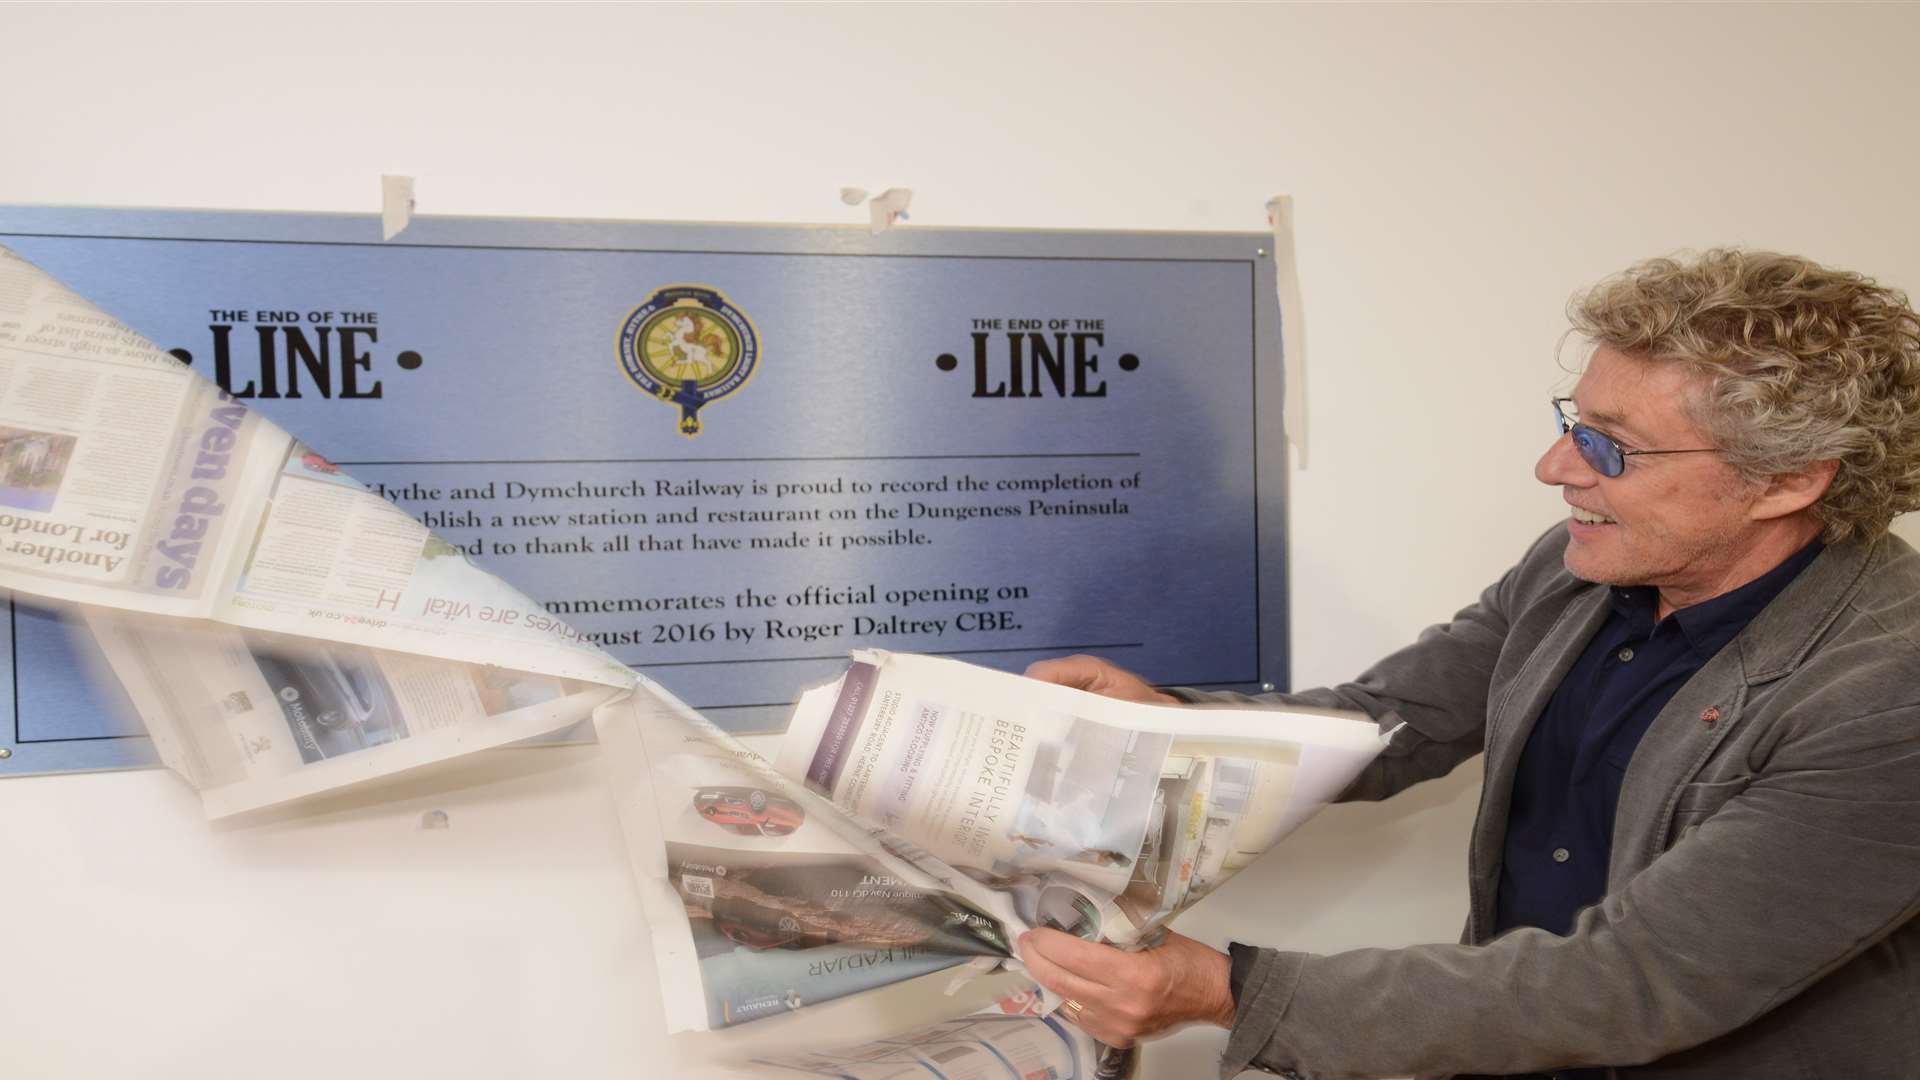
pixel 1560 825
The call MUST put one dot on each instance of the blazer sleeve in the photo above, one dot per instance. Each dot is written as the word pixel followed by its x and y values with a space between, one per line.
pixel 1815 861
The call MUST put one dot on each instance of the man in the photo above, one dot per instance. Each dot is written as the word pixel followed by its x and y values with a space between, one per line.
pixel 1698 852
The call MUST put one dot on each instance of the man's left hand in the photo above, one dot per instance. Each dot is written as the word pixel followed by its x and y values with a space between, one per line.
pixel 1124 996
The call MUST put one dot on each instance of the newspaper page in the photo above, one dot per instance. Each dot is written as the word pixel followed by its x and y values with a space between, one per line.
pixel 128 480
pixel 1036 788
pixel 763 895
pixel 122 473
pixel 334 559
pixel 1009 1040
pixel 252 718
pixel 318 636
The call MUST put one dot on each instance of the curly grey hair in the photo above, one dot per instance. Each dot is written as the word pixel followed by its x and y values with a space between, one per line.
pixel 1805 364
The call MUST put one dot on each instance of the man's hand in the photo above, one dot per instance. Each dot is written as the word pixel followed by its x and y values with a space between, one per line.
pixel 1090 673
pixel 1125 996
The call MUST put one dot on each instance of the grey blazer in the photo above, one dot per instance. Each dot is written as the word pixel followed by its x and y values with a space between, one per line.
pixel 1760 911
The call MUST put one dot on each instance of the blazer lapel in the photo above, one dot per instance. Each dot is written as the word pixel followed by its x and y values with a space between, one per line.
pixel 1676 744
pixel 1711 704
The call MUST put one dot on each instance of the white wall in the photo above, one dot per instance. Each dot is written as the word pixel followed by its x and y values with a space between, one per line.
pixel 1458 172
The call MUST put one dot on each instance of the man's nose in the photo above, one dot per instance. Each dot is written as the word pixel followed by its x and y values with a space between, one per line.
pixel 1562 466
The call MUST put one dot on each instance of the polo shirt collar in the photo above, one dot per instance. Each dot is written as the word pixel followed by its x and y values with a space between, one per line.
pixel 1709 625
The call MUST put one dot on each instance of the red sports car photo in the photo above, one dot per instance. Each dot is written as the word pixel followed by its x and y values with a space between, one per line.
pixel 748 811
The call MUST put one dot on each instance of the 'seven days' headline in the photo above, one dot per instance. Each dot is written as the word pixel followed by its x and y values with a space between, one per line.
pixel 200 506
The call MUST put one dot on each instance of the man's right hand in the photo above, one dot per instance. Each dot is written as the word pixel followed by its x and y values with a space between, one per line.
pixel 1092 674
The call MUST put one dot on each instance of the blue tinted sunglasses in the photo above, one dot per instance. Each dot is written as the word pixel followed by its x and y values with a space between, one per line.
pixel 1597 448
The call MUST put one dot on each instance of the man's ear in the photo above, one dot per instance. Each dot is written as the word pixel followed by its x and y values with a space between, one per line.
pixel 1790 493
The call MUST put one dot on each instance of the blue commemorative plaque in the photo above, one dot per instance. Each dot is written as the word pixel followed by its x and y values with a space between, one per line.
pixel 729 454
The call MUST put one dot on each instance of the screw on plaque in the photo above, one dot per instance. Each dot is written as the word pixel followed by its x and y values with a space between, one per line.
pixel 5 753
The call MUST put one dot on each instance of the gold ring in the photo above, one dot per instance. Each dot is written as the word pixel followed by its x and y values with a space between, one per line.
pixel 1073 1008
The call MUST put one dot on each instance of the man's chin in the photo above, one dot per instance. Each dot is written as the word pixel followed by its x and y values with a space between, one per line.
pixel 1587 564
